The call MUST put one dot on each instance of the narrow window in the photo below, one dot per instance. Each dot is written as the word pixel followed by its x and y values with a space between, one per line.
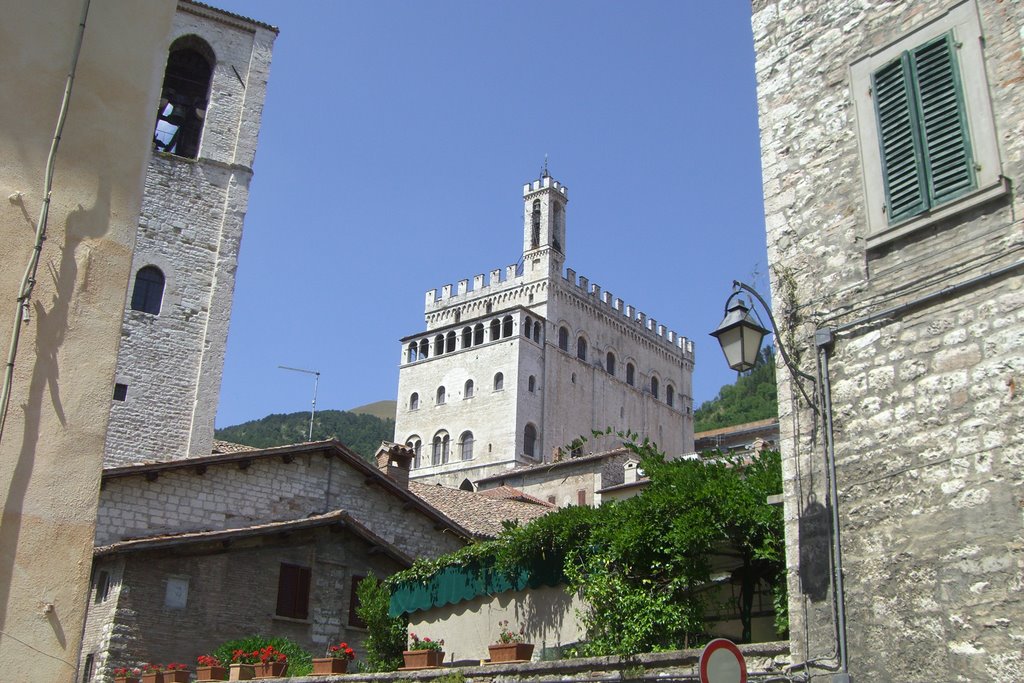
pixel 440 396
pixel 411 355
pixel 495 329
pixel 102 587
pixel 424 348
pixel 414 401
pixel 183 98
pixel 922 129
pixel 445 442
pixel 536 332
pixel 506 326
pixel 654 387
pixel 439 345
pixel 581 497
pixel 581 348
pixel 531 384
pixel 528 327
pixel 467 337
pixel 529 440
pixel 120 392
pixel 449 342
pixel 563 338
pixel 293 591
pixel 435 453
pixel 416 445
pixel 478 334
pixel 670 395
pixel 535 231
pixel 467 391
pixel 148 293
pixel 609 363
pixel 353 603
pixel 499 382
pixel 467 445
pixel 559 227
pixel 630 374
pixel 89 669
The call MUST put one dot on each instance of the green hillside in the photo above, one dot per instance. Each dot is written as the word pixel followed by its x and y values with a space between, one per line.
pixel 362 433
pixel 754 396
pixel 385 410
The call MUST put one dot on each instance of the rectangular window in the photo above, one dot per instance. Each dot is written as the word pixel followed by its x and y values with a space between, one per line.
pixel 926 129
pixel 353 603
pixel 581 497
pixel 120 392
pixel 293 591
pixel 89 668
pixel 102 587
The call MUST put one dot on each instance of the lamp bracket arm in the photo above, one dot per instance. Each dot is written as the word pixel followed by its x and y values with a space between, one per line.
pixel 737 285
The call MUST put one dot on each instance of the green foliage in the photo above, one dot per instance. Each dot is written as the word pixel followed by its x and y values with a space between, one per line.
pixel 300 662
pixel 754 396
pixel 362 433
pixel 385 635
pixel 642 564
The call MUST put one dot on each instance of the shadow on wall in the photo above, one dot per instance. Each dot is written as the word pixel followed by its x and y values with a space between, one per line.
pixel 815 561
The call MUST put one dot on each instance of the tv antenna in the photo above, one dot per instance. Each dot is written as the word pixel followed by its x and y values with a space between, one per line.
pixel 316 384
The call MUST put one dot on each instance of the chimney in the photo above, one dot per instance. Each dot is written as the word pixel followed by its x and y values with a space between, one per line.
pixel 629 475
pixel 393 460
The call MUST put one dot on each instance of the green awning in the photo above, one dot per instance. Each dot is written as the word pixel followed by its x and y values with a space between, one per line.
pixel 453 585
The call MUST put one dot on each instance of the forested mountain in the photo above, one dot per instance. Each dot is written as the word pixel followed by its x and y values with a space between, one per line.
pixel 362 433
pixel 752 397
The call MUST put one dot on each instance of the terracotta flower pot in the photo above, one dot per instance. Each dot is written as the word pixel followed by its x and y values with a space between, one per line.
pixel 330 665
pixel 271 669
pixel 177 676
pixel 423 659
pixel 211 673
pixel 153 677
pixel 510 652
pixel 126 679
pixel 241 672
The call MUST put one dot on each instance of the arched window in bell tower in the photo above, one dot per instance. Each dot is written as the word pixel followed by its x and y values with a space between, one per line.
pixel 184 97
pixel 535 235
pixel 558 228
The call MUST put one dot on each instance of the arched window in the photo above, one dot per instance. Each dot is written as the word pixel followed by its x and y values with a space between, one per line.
pixel 528 327
pixel 630 374
pixel 466 485
pixel 563 338
pixel 416 445
pixel 439 452
pixel 670 395
pixel 439 345
pixel 609 363
pixel 414 401
pixel 530 440
pixel 531 384
pixel 449 342
pixel 581 348
pixel 499 382
pixel 424 348
pixel 654 387
pixel 149 290
pixel 535 231
pixel 478 334
pixel 411 355
pixel 467 391
pixel 559 224
pixel 495 329
pixel 506 326
pixel 467 337
pixel 183 98
pixel 536 332
pixel 440 396
pixel 466 446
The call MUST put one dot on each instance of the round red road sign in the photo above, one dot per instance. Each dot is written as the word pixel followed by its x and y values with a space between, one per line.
pixel 722 662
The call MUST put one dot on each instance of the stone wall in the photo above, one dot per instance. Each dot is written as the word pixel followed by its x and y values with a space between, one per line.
pixel 191 229
pixel 926 361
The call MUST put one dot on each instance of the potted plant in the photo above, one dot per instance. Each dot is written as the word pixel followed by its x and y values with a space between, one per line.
pixel 243 665
pixel 123 674
pixel 423 653
pixel 510 646
pixel 209 668
pixel 152 673
pixel 176 673
pixel 336 661
pixel 273 663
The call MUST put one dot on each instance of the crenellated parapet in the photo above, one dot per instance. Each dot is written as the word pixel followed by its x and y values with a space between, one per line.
pixel 500 280
pixel 614 307
pixel 545 183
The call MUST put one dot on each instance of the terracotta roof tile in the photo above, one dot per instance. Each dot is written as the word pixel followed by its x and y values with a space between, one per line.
pixel 512 493
pixel 481 515
pixel 229 447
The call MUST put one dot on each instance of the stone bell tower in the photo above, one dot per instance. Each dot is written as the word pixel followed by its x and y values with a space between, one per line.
pixel 544 203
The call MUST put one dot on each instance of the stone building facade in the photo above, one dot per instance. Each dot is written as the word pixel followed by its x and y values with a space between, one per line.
pixel 510 371
pixel 893 154
pixel 175 326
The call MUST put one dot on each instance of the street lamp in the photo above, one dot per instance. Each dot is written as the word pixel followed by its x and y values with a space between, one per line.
pixel 739 335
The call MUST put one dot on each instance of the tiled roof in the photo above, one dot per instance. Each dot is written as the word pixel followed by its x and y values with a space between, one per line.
pixel 564 462
pixel 229 447
pixel 233 15
pixel 512 493
pixel 481 515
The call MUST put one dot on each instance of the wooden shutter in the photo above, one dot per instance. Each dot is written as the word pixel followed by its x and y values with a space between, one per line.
pixel 902 158
pixel 943 123
pixel 293 591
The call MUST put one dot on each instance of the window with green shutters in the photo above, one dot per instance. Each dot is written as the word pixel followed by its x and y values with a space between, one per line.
pixel 922 129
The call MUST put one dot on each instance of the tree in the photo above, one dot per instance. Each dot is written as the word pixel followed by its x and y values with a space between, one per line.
pixel 754 396
pixel 385 635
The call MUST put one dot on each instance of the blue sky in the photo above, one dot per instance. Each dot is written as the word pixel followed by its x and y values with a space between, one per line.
pixel 396 139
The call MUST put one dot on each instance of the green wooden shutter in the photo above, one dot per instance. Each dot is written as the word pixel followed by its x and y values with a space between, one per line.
pixel 942 120
pixel 903 168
